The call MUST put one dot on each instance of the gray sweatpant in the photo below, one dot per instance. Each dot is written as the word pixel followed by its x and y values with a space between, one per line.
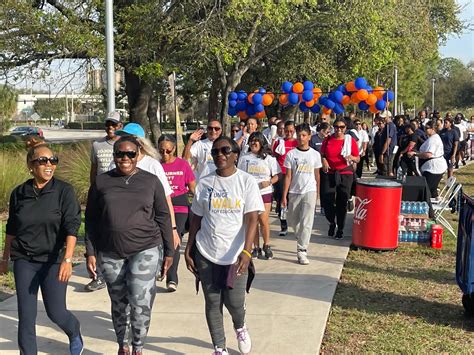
pixel 131 287
pixel 301 216
pixel 216 295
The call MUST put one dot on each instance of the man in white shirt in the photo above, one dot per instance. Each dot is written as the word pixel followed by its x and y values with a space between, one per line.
pixel 362 144
pixel 268 132
pixel 199 151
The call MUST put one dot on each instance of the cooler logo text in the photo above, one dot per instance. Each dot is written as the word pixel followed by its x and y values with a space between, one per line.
pixel 360 211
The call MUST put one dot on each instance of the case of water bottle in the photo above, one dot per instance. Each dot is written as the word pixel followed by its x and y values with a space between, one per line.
pixel 414 223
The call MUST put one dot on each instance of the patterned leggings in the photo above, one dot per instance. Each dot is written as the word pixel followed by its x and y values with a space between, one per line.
pixel 131 287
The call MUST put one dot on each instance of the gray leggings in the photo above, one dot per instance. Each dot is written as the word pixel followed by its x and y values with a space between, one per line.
pixel 131 286
pixel 216 295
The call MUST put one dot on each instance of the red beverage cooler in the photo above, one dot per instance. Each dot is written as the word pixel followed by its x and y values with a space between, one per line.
pixel 377 207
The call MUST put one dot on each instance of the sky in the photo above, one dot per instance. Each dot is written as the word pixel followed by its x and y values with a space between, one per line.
pixel 462 47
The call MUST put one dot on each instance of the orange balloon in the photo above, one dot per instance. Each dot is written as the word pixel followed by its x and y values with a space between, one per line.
pixel 260 114
pixel 267 100
pixel 283 99
pixel 310 103
pixel 256 90
pixel 298 87
pixel 250 98
pixel 371 99
pixel 379 91
pixel 317 91
pixel 354 98
pixel 350 86
pixel 327 111
pixel 242 115
pixel 373 109
pixel 272 95
pixel 362 94
pixel 346 100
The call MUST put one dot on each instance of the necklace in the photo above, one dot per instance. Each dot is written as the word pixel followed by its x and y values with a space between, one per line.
pixel 127 179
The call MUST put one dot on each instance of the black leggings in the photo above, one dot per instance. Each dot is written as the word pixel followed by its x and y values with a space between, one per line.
pixel 277 195
pixel 334 197
pixel 432 180
pixel 180 226
pixel 29 277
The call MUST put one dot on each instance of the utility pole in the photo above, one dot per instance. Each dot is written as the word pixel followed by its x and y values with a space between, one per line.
pixel 395 103
pixel 109 40
pixel 432 94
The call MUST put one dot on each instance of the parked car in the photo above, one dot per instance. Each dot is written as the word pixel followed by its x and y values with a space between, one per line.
pixel 27 131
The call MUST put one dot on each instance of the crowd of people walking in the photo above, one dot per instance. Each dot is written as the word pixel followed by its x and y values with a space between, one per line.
pixel 139 207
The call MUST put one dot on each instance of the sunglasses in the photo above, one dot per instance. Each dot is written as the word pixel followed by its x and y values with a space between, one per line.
pixel 339 127
pixel 216 129
pixel 236 130
pixel 167 151
pixel 223 150
pixel 44 160
pixel 121 154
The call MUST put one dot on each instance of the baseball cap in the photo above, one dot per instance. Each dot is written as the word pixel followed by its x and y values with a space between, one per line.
pixel 385 114
pixel 133 129
pixel 113 116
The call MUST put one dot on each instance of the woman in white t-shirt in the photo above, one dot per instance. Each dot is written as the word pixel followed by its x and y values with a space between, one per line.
pixel 432 152
pixel 220 240
pixel 259 163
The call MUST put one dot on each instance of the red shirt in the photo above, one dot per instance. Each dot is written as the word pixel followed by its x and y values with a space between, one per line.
pixel 331 150
pixel 289 145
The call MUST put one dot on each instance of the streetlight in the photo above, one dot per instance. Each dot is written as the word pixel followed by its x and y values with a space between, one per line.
pixel 109 41
pixel 395 79
pixel 432 94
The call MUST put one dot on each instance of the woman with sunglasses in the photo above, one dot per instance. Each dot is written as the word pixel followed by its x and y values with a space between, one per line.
pixel 338 152
pixel 220 241
pixel 43 221
pixel 181 179
pixel 127 218
pixel 259 163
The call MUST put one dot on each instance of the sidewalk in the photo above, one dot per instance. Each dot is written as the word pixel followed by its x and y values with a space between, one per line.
pixel 287 307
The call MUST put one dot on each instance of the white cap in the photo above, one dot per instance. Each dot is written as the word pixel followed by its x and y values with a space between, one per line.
pixel 113 116
pixel 385 114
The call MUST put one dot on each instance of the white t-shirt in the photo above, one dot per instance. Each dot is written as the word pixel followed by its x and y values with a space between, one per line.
pixel 201 158
pixel 222 203
pixel 373 132
pixel 462 128
pixel 363 138
pixel 260 169
pixel 154 167
pixel 302 164
pixel 438 164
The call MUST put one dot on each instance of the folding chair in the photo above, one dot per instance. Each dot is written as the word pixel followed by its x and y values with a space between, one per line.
pixel 447 189
pixel 444 206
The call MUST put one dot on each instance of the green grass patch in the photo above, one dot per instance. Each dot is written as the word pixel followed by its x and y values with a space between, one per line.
pixel 405 301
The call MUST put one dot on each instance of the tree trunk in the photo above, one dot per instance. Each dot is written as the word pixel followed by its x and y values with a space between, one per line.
pixel 288 112
pixel 213 106
pixel 153 119
pixel 139 94
pixel 232 83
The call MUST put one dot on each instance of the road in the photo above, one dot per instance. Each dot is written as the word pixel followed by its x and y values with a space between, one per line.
pixel 58 135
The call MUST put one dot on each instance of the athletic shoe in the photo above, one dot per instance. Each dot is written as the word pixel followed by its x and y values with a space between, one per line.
pixel 124 350
pixel 76 345
pixel 172 286
pixel 283 232
pixel 350 205
pixel 302 257
pixel 256 252
pixel 332 229
pixel 243 338
pixel 137 352
pixel 220 351
pixel 268 252
pixel 95 285
pixel 339 235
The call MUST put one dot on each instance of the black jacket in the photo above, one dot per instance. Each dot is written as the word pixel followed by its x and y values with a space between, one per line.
pixel 40 224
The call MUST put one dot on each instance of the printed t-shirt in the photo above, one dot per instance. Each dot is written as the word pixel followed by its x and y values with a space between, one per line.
pixel 102 153
pixel 437 164
pixel 260 169
pixel 202 158
pixel 331 150
pixel 448 137
pixel 222 203
pixel 316 142
pixel 302 164
pixel 179 175
pixel 390 131
pixel 289 145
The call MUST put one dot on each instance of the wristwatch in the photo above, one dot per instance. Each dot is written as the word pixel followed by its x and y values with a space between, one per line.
pixel 67 260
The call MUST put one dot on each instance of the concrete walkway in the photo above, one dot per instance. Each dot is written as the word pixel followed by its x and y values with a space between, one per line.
pixel 287 307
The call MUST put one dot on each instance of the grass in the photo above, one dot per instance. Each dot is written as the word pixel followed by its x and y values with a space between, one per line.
pixel 13 172
pixel 406 301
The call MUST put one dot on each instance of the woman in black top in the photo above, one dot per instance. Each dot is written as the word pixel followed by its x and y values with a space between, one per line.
pixel 127 218
pixel 43 221
pixel 450 138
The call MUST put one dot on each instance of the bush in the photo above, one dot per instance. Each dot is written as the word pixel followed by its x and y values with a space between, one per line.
pixel 13 172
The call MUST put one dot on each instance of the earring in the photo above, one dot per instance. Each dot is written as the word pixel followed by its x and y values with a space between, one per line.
pixel 31 170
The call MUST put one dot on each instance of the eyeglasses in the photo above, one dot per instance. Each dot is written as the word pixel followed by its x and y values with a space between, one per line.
pixel 359 124
pixel 121 154
pixel 223 150
pixel 236 130
pixel 44 160
pixel 215 129
pixel 339 127
pixel 167 151
pixel 111 124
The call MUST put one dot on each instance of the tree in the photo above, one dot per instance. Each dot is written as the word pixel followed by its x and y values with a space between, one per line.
pixel 8 99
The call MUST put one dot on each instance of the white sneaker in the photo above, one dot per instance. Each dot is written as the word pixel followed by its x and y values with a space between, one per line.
pixel 302 257
pixel 243 338
pixel 220 351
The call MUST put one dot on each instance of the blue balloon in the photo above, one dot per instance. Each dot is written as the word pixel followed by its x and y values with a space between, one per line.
pixel 308 85
pixel 380 105
pixel 329 104
pixel 250 110
pixel 293 98
pixel 322 100
pixel 232 111
pixel 233 96
pixel 232 103
pixel 257 99
pixel 337 96
pixel 286 87
pixel 259 108
pixel 241 106
pixel 315 108
pixel 307 95
pixel 303 107
pixel 262 91
pixel 242 95
pixel 360 83
pixel 341 87
pixel 389 96
pixel 369 89
pixel 338 109
pixel 363 106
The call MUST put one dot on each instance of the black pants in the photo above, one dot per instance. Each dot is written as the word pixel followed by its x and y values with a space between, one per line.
pixel 334 197
pixel 180 226
pixel 29 277
pixel 432 180
pixel 360 167
pixel 277 195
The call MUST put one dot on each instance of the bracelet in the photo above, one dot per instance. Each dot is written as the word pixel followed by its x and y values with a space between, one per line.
pixel 246 252
pixel 175 228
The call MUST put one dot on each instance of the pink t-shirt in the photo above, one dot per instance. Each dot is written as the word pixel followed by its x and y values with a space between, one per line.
pixel 179 175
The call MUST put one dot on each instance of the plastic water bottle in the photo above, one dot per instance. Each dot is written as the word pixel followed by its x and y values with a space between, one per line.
pixel 426 208
pixel 408 208
pixel 402 207
pixel 399 173
pixel 283 213
pixel 418 208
